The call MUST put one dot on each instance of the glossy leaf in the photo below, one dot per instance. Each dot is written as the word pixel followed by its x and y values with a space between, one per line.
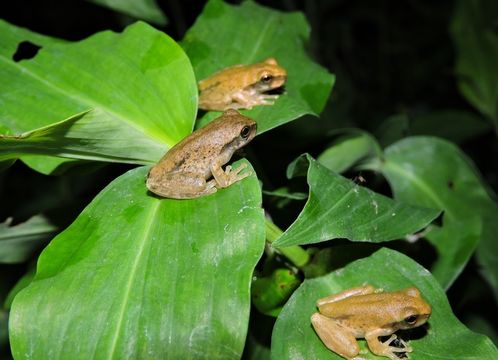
pixel 340 208
pixel 476 41
pixel 141 77
pixel 445 337
pixel 225 35
pixel 431 172
pixel 348 150
pixel 139 277
pixel 452 259
pixel 77 138
pixel 140 9
pixel 18 242
pixel 23 282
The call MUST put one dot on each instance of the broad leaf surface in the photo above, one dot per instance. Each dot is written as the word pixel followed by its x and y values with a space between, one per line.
pixel 138 277
pixel 140 9
pixel 226 35
pixel 452 259
pixel 431 172
pixel 474 33
pixel 76 138
pixel 340 208
pixel 141 77
pixel 353 146
pixel 18 242
pixel 444 338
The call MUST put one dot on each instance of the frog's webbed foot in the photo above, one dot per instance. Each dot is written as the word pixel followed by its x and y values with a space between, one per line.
pixel 400 347
pixel 234 175
pixel 228 176
pixel 267 99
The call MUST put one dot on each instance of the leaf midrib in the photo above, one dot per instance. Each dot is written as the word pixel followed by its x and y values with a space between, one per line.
pixel 132 275
pixel 78 98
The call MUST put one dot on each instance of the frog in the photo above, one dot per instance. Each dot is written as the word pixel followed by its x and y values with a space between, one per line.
pixel 184 171
pixel 367 312
pixel 242 86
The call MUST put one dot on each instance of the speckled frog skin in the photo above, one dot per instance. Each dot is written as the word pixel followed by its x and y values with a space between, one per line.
pixel 184 171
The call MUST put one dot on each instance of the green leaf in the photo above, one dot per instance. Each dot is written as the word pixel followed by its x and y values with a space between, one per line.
pixel 392 129
pixel 23 282
pixel 138 277
pixel 452 259
pixel 77 138
pixel 340 208
pixel 286 194
pixel 269 293
pixel 431 172
pixel 140 9
pixel 454 125
pixel 476 41
pixel 226 35
pixel 294 338
pixel 347 150
pixel 18 242
pixel 141 77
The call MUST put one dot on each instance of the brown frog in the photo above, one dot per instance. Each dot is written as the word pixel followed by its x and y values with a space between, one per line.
pixel 242 86
pixel 183 172
pixel 366 312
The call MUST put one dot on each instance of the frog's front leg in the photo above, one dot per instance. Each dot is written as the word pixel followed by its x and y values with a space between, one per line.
pixel 384 348
pixel 228 177
pixel 335 337
pixel 361 290
pixel 248 99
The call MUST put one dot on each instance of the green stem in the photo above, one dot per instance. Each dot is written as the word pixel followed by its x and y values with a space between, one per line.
pixel 296 254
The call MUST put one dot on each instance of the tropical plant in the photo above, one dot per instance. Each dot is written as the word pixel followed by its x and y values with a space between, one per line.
pixel 135 276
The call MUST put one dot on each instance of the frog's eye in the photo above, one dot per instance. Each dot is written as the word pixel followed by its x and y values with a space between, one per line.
pixel 266 78
pixel 244 133
pixel 410 320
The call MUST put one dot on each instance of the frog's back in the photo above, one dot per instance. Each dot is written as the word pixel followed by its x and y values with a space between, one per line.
pixel 192 150
pixel 365 304
pixel 224 75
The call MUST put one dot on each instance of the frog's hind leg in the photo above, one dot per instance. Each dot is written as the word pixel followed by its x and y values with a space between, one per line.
pixel 335 337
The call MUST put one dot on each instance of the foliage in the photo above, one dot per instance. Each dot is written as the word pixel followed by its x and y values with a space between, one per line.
pixel 135 276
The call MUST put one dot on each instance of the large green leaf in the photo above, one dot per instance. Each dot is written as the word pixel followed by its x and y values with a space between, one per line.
pixel 226 35
pixel 76 138
pixel 141 77
pixel 431 172
pixel 474 33
pixel 452 258
pixel 140 9
pixel 348 149
pixel 445 337
pixel 138 277
pixel 340 208
pixel 18 242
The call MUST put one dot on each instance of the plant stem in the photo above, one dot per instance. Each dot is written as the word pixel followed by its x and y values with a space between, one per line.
pixel 296 254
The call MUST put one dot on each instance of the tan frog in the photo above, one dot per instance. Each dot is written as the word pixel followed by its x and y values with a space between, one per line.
pixel 242 86
pixel 365 312
pixel 183 171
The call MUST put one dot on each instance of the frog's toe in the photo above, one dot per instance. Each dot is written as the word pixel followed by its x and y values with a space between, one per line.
pixel 239 169
pixel 271 96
